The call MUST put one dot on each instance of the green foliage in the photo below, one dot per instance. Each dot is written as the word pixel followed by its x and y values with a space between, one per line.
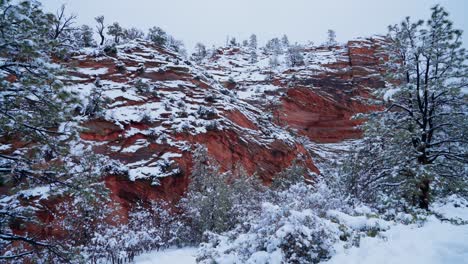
pixel 216 201
pixel 158 36
pixel 34 112
pixel 207 201
pixel 295 173
pixel 84 37
pixel 419 141
pixel 116 31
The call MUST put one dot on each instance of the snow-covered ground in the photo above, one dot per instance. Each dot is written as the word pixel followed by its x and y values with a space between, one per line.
pixel 436 242
pixel 169 256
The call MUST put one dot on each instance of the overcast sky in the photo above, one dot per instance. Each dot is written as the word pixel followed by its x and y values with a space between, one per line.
pixel 211 21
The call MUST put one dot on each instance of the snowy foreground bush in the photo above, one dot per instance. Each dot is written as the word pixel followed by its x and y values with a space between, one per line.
pixel 357 237
pixel 298 225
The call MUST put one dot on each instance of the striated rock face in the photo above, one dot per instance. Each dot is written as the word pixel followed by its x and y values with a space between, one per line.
pixel 318 98
pixel 156 108
pixel 146 109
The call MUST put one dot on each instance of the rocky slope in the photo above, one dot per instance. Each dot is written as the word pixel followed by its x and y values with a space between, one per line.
pixel 146 109
pixel 318 98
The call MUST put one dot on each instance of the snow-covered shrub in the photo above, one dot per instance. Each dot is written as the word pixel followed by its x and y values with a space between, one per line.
pixel 296 173
pixel 183 113
pixel 141 68
pixel 207 200
pixel 110 50
pixel 210 98
pixel 288 229
pixel 146 118
pixel 148 228
pixel 206 112
pixel 142 86
pixel 215 201
pixel 167 106
pixel 232 81
pixel 212 125
pixel 120 66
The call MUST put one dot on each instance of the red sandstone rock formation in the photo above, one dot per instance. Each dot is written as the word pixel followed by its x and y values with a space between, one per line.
pixel 159 106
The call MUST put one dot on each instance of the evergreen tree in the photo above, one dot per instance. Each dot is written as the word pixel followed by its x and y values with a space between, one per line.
pixel 253 41
pixel 116 31
pixel 274 46
pixel 207 202
pixel 233 42
pixel 33 108
pixel 253 56
pixel 285 41
pixel 200 52
pixel 84 36
pixel 158 36
pixel 133 33
pixel 419 141
pixel 331 38
pixel 294 56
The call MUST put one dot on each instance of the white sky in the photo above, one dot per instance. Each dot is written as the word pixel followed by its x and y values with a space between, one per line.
pixel 211 21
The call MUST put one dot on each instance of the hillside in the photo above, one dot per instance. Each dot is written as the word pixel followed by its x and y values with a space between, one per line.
pixel 157 106
pixel 119 146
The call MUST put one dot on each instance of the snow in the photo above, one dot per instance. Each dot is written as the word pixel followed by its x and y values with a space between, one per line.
pixel 169 256
pixel 41 192
pixel 92 71
pixel 390 93
pixel 5 147
pixel 129 94
pixel 453 208
pixel 436 242
pixel 255 92
pixel 358 222
pixel 432 242
pixel 139 143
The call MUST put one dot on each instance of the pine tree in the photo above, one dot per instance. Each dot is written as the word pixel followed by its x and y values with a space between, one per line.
pixel 419 141
pixel 84 37
pixel 233 42
pixel 207 202
pixel 33 107
pixel 274 46
pixel 200 52
pixel 253 56
pixel 253 41
pixel 158 36
pixel 285 41
pixel 116 31
pixel 133 33
pixel 331 38
pixel 294 56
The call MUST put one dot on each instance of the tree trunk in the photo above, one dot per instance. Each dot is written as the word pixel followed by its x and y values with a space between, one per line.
pixel 423 196
pixel 102 39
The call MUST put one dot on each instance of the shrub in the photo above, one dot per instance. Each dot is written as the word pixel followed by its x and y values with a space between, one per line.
pixel 287 229
pixel 110 50
pixel 212 126
pixel 120 66
pixel 141 86
pixel 206 112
